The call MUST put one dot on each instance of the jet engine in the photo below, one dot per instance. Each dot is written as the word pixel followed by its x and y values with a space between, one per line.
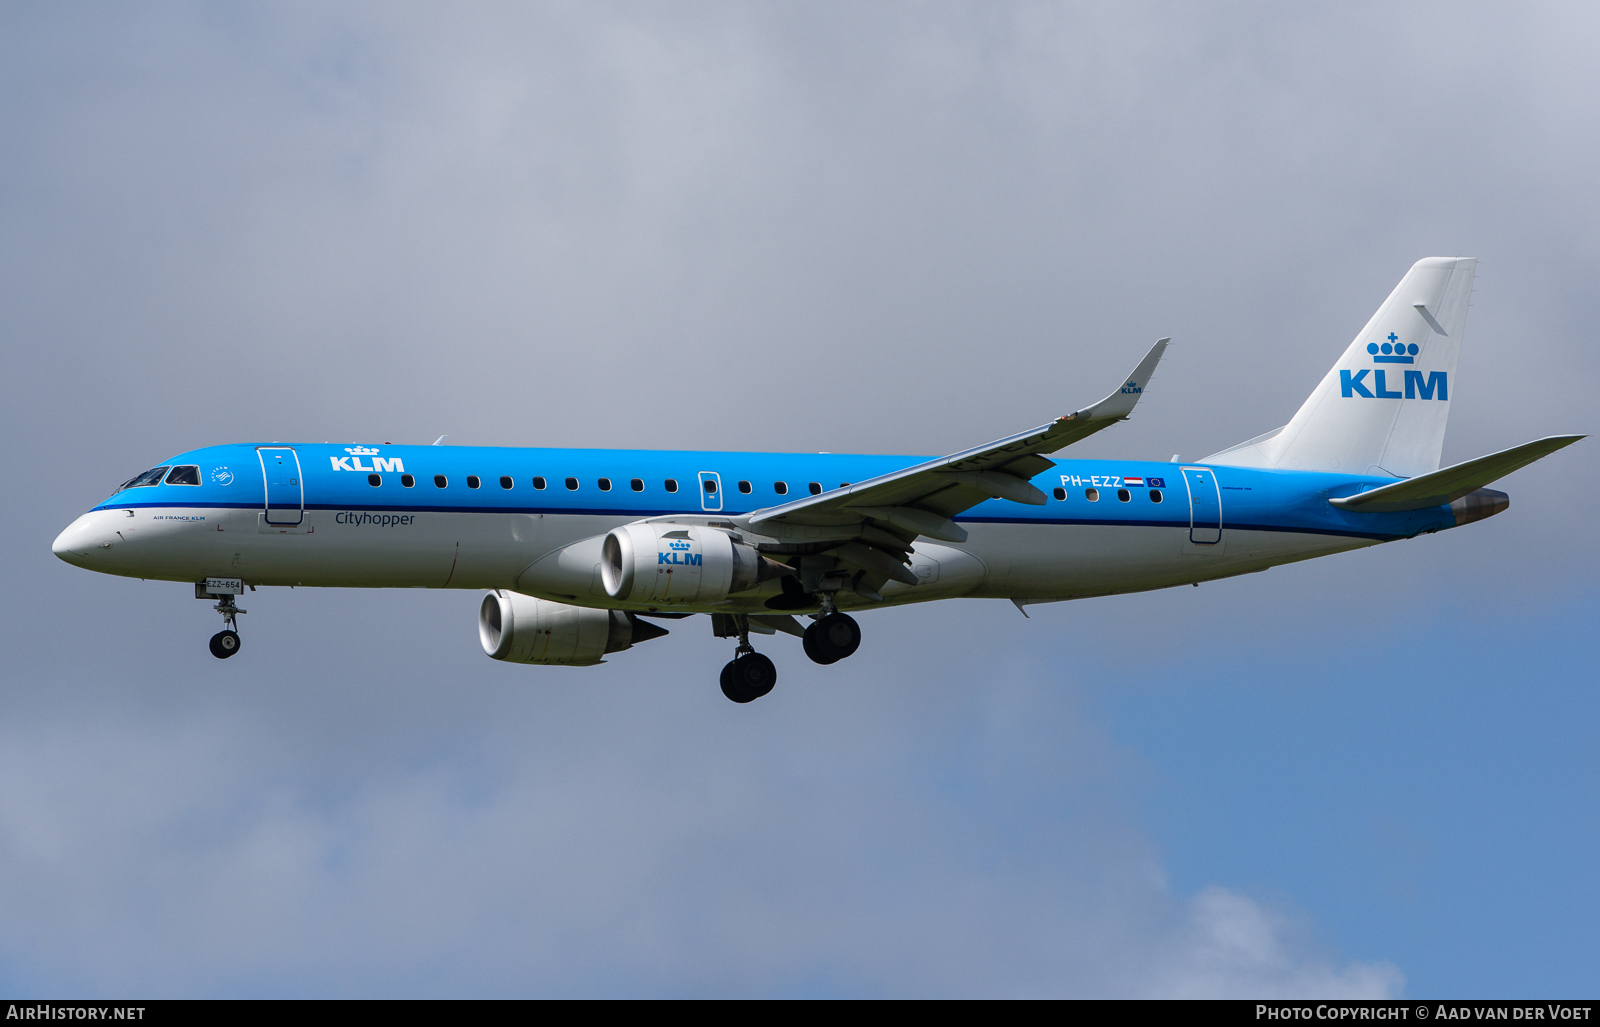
pixel 521 629
pixel 677 563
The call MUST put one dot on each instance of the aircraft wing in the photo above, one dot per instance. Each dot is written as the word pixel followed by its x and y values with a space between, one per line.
pixel 1448 484
pixel 892 509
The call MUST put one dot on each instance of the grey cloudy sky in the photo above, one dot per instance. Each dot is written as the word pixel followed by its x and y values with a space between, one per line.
pixel 877 227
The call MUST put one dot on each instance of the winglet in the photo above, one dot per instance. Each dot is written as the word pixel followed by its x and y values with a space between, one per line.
pixel 1120 403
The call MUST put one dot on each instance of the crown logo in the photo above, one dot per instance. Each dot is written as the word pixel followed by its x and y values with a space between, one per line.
pixel 360 451
pixel 1392 352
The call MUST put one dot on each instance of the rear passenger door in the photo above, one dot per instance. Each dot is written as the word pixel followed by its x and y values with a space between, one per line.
pixel 1205 506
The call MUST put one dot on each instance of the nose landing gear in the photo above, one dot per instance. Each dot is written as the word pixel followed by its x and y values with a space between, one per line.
pixel 749 676
pixel 226 642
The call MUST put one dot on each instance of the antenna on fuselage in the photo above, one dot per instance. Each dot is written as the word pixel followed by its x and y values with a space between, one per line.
pixel 440 439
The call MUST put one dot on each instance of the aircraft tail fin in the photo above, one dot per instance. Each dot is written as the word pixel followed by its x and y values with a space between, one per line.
pixel 1382 408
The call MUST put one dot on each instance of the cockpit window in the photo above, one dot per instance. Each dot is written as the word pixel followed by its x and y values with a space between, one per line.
pixel 184 474
pixel 150 477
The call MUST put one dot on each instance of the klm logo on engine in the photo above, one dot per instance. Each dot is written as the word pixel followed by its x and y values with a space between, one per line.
pixel 678 555
pixel 353 462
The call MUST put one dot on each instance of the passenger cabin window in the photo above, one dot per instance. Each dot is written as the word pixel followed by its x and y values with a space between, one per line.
pixel 781 488
pixel 744 487
pixel 439 481
pixel 1092 495
pixel 816 488
pixel 711 486
pixel 505 481
pixel 473 481
pixel 184 474
pixel 1155 495
pixel 374 480
pixel 1123 495
pixel 407 480
pixel 605 484
pixel 672 484
pixel 1061 493
pixel 572 484
pixel 538 483
pixel 637 484
pixel 148 478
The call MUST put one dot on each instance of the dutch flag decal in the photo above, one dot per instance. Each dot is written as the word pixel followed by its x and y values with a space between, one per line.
pixel 1137 483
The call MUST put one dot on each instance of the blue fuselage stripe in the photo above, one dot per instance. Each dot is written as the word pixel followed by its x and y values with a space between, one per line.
pixel 232 477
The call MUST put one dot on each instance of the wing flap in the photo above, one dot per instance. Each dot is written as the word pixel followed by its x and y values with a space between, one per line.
pixel 775 623
pixel 1446 485
pixel 915 521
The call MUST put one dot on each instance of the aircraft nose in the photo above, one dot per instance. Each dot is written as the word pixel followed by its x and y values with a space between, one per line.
pixel 77 543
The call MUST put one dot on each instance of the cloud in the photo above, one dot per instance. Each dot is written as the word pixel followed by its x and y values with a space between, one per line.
pixel 583 846
pixel 1231 946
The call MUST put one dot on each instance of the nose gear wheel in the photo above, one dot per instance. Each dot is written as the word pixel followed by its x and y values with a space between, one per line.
pixel 224 644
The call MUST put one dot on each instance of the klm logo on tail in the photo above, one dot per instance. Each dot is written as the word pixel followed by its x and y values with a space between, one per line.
pixel 1392 352
pixel 1353 383
pixel 1435 386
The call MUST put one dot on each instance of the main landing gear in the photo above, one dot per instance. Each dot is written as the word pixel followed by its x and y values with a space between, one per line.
pixel 833 636
pixel 749 675
pixel 226 642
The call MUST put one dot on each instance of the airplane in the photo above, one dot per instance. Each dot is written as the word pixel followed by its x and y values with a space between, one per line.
pixel 583 552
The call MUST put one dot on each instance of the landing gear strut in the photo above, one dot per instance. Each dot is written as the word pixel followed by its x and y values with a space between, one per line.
pixel 226 642
pixel 749 675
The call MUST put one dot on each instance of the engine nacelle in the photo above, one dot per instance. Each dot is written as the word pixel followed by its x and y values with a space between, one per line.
pixel 521 629
pixel 680 563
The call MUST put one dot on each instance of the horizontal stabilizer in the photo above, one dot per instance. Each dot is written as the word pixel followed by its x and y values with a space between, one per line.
pixel 1448 484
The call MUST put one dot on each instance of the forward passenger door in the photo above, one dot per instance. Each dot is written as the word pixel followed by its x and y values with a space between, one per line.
pixel 285 488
